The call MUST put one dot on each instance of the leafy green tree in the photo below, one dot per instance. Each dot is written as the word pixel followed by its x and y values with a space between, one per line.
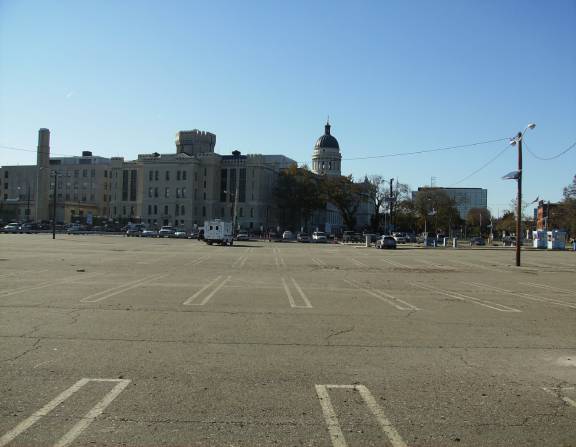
pixel 346 196
pixel 298 195
pixel 435 208
pixel 478 219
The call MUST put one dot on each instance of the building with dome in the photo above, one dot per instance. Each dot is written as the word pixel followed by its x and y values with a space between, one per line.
pixel 326 158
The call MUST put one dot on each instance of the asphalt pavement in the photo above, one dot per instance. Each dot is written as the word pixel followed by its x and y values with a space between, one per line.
pixel 107 340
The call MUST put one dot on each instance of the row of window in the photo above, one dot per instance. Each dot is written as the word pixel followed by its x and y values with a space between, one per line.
pixel 179 210
pixel 155 175
pixel 153 192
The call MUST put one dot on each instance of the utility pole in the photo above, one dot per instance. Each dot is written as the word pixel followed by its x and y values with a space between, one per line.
pixel 54 205
pixel 519 202
pixel 391 204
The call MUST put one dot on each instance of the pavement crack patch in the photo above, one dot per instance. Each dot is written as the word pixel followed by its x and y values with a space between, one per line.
pixel 34 347
pixel 343 331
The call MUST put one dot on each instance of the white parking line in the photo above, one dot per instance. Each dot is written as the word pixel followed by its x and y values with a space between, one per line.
pixel 239 263
pixel 545 286
pixel 462 297
pixel 524 295
pixel 396 263
pixel 193 297
pixel 48 284
pixel 318 262
pixel 278 259
pixel 336 435
pixel 84 422
pixel 307 305
pixel 189 301
pixel 383 296
pixel 101 296
pixel 556 392
pixel 359 263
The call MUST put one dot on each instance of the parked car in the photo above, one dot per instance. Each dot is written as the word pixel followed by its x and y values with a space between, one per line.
pixel 74 229
pixel 386 242
pixel 509 241
pixel 302 237
pixel 274 237
pixel 149 233
pixel 242 236
pixel 135 230
pixel 179 233
pixel 477 241
pixel 166 231
pixel 11 228
pixel 400 238
pixel 319 237
pixel 287 235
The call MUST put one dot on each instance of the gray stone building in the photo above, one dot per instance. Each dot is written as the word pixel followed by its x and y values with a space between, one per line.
pixel 82 186
pixel 196 184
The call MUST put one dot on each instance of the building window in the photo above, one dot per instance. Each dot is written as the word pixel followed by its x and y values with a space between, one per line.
pixel 177 175
pixel 151 175
pixel 178 192
pixel 251 212
pixel 182 211
pixel 149 209
pixel 167 191
pixel 156 176
pixel 183 175
pixel 105 174
pixel 166 209
pixel 183 192
pixel 124 186
pixel 150 191
pixel 167 176
pixel 177 210
pixel 223 184
pixel 203 211
pixel 133 181
pixel 242 186
pixel 84 172
pixel 204 195
pixel 156 192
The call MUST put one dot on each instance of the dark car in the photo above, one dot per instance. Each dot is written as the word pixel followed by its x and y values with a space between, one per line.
pixel 477 241
pixel 303 237
pixel 386 242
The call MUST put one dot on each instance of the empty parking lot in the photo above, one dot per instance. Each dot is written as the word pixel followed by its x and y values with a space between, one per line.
pixel 127 341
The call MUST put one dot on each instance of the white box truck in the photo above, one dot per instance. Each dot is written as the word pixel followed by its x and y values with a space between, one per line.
pixel 218 232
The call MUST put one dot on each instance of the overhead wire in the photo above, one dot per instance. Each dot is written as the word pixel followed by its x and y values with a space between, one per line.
pixel 476 171
pixel 370 157
pixel 568 149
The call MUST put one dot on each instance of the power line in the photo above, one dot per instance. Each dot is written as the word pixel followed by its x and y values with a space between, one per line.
pixel 397 154
pixel 481 167
pixel 569 148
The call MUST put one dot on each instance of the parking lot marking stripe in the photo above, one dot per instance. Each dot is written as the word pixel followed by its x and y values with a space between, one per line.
pixel 47 284
pixel 318 262
pixel 336 435
pixel 211 294
pixel 396 264
pixel 84 422
pixel 393 435
pixel 462 297
pixel 122 289
pixel 556 393
pixel 331 419
pixel 545 286
pixel 441 267
pixel 28 422
pixel 193 297
pixel 525 295
pixel 199 260
pixel 359 263
pixel 94 412
pixel 288 293
pixel 385 298
pixel 302 294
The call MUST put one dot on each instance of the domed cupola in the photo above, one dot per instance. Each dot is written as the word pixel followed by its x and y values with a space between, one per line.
pixel 327 140
pixel 326 157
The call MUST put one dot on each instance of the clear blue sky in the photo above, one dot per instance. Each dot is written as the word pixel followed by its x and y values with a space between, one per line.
pixel 121 78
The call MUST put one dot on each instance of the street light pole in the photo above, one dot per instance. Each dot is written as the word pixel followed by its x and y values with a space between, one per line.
pixel 519 202
pixel 54 205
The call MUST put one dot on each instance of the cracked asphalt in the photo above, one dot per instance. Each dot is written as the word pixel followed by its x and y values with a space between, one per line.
pixel 190 345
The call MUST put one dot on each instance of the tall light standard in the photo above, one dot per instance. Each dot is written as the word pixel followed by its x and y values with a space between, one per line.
pixel 518 177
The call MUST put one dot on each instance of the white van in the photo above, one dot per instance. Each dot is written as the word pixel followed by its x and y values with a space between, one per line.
pixel 218 232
